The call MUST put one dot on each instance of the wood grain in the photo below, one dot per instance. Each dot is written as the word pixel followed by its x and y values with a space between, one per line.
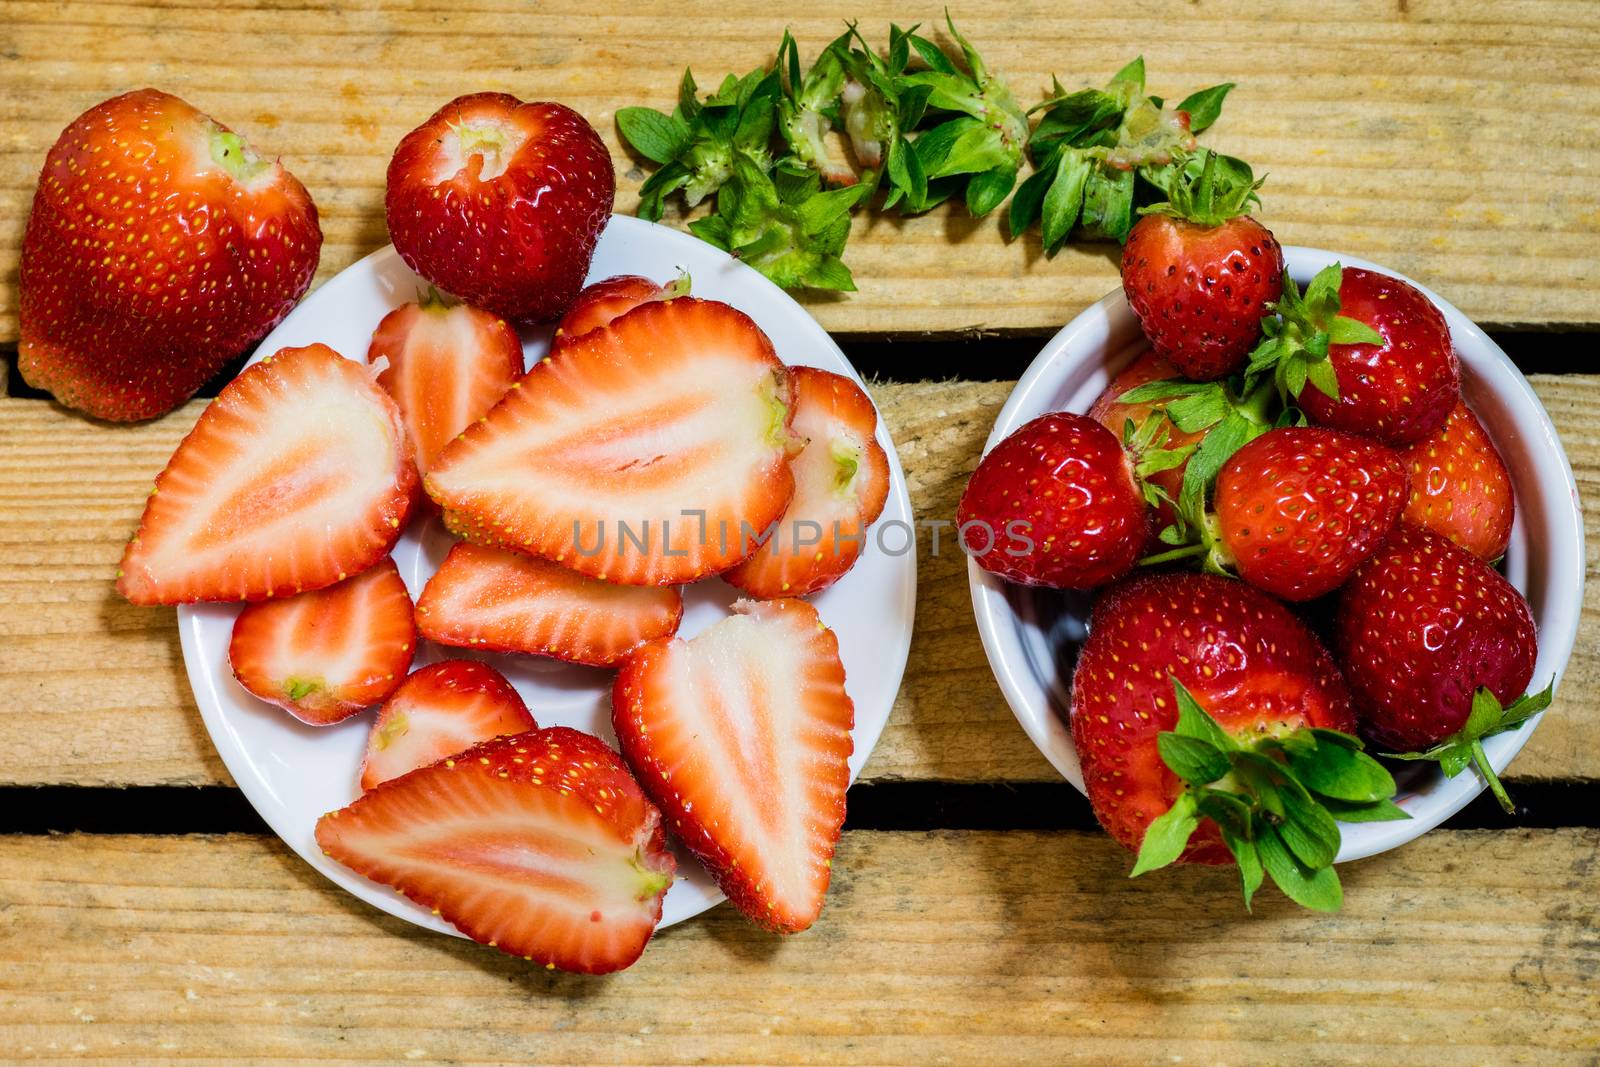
pixel 970 948
pixel 98 694
pixel 1450 139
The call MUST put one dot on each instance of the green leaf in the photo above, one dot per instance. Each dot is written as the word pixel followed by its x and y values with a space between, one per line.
pixel 1193 721
pixel 1195 761
pixel 1321 297
pixel 1455 759
pixel 1307 829
pixel 1163 389
pixel 1526 707
pixel 1248 857
pixel 688 97
pixel 934 145
pixel 1063 203
pixel 653 135
pixel 713 230
pixel 825 208
pixel 1382 811
pixel 1205 106
pixel 1343 330
pixel 1027 205
pixel 1295 374
pixel 1318 890
pixel 1343 774
pixel 986 191
pixel 831 273
pixel 1132 74
pixel 1167 834
pixel 975 149
pixel 932 55
pixel 1335 737
pixel 1215 449
pixel 1320 373
pixel 1484 716
pixel 1108 204
pixel 1200 410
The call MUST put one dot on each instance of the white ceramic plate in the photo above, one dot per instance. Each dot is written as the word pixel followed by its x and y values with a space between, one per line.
pixel 292 773
pixel 1032 636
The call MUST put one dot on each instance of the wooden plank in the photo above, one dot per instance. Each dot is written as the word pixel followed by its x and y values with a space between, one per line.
pixel 971 948
pixel 99 697
pixel 1451 139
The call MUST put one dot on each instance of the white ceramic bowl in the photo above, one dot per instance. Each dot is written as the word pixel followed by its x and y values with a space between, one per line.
pixel 1031 636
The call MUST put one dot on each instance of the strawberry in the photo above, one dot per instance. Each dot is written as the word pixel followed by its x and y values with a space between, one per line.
pixel 742 735
pixel 1376 352
pixel 488 598
pixel 438 711
pixel 539 844
pixel 447 367
pixel 652 452
pixel 1175 783
pixel 159 247
pixel 298 475
pixel 1460 487
pixel 326 654
pixel 1199 273
pixel 501 202
pixel 1438 649
pixel 1057 504
pixel 1299 508
pixel 841 483
pixel 1114 413
pixel 604 300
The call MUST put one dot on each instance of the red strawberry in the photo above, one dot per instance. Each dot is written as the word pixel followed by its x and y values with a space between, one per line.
pixel 539 844
pixel 609 298
pixel 439 711
pixel 1460 487
pixel 324 655
pixel 652 452
pixel 1055 504
pixel 1423 627
pixel 1115 415
pixel 298 475
pixel 501 203
pixel 1299 508
pixel 1199 274
pixel 488 598
pixel 447 367
pixel 1211 724
pixel 742 735
pixel 841 483
pixel 159 247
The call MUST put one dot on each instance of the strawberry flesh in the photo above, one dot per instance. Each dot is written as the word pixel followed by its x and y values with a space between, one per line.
pixel 1460 487
pixel 602 301
pixel 439 711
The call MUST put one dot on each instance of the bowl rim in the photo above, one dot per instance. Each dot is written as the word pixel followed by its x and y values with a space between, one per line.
pixel 1029 697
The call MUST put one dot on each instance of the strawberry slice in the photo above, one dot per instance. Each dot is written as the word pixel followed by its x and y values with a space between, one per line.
pixel 489 598
pixel 742 736
pixel 841 480
pixel 324 655
pixel 447 366
pixel 438 711
pixel 652 452
pixel 298 475
pixel 539 844
pixel 610 298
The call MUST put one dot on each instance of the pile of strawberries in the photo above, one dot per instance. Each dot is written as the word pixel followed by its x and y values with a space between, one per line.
pixel 1310 454
pixel 660 443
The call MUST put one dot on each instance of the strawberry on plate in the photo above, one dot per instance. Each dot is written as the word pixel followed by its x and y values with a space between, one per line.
pixel 297 476
pixel 652 452
pixel 539 844
pixel 1300 507
pixel 324 655
pixel 609 298
pixel 1439 649
pixel 158 248
pixel 1213 727
pixel 841 483
pixel 1460 487
pixel 488 598
pixel 438 711
pixel 500 203
pixel 447 365
pixel 1199 273
pixel 742 736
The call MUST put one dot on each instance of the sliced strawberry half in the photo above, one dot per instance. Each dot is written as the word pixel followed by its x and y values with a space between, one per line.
pixel 540 845
pixel 438 711
pixel 298 475
pixel 742 735
pixel 324 655
pixel 841 482
pixel 609 298
pixel 447 366
pixel 652 452
pixel 489 598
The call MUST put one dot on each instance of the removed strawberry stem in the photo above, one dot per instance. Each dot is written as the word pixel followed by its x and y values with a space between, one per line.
pixel 1486 719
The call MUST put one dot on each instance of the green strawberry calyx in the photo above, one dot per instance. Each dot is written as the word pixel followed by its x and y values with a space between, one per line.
pixel 1277 796
pixel 1295 337
pixel 1209 198
pixel 1487 718
pixel 810 106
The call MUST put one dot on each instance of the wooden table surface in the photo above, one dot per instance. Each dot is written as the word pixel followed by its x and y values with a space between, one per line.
pixel 975 916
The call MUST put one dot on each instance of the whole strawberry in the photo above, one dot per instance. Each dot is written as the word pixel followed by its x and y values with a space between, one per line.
pixel 501 202
pixel 1460 487
pixel 1056 504
pixel 1299 508
pixel 1437 648
pixel 1375 351
pixel 1212 725
pixel 159 247
pixel 1199 273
